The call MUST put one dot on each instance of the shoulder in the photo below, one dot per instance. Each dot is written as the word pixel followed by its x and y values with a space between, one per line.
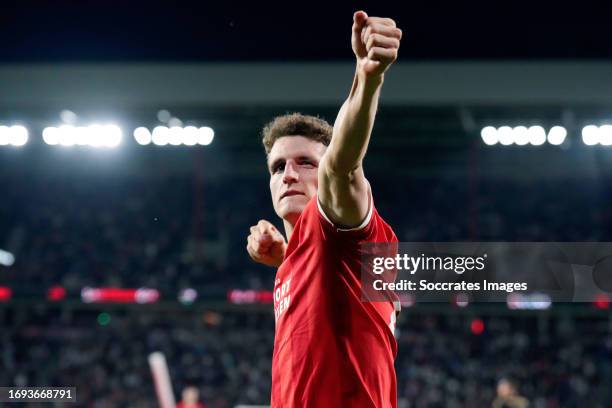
pixel 373 228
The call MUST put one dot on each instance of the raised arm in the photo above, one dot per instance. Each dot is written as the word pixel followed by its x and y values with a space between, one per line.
pixel 343 190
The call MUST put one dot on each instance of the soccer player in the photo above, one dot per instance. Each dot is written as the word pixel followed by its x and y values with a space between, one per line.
pixel 330 348
pixel 508 395
pixel 190 398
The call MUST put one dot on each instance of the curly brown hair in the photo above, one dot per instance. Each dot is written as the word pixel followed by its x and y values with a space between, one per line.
pixel 296 124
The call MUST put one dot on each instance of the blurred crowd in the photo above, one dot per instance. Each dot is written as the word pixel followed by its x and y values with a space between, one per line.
pixel 558 362
pixel 167 234
pixel 226 356
pixel 175 232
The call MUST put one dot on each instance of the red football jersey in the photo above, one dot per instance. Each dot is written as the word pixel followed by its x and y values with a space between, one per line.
pixel 330 348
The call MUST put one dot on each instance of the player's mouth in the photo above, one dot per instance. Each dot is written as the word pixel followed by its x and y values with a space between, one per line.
pixel 290 193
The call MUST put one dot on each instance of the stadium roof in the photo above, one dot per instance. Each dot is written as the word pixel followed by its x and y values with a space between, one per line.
pixel 94 31
pixel 80 86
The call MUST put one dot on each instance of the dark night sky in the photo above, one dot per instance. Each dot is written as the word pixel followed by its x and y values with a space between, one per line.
pixel 97 31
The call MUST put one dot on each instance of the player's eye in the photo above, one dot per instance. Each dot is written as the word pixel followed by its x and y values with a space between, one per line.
pixel 278 167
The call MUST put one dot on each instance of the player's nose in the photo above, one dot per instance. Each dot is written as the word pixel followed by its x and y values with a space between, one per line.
pixel 291 174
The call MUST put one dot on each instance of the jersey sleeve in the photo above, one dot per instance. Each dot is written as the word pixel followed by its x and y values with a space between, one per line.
pixel 372 229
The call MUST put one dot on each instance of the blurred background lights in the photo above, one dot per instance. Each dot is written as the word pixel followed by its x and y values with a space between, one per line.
pixel 4 135
pixel 67 135
pixel 605 135
pixel 92 135
pixel 82 136
pixel 142 136
pixel 15 135
pixel 163 116
pixel 188 296
pixel 175 122
pixel 18 135
pixel 590 135
pixel 110 135
pixel 6 258
pixel 489 135
pixel 175 135
pixel 557 135
pixel 160 135
pixel 103 319
pixel 51 135
pixel 96 133
pixel 462 300
pixel 113 135
pixel 505 135
pixel 477 327
pixel 68 117
pixel 190 135
pixel 537 135
pixel 520 135
pixel 205 136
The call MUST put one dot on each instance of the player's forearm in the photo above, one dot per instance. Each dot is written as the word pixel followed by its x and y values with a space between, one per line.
pixel 353 126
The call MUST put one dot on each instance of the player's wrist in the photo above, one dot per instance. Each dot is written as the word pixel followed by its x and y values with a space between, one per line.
pixel 369 84
pixel 374 80
pixel 369 80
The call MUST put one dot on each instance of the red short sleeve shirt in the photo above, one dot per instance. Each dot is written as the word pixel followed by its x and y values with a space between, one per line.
pixel 331 349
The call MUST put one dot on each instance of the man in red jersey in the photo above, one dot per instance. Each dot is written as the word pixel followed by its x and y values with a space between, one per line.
pixel 331 349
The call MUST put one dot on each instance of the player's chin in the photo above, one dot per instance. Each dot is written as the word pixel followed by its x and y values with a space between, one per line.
pixel 292 205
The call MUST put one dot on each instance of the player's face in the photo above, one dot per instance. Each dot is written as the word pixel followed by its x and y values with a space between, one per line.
pixel 190 395
pixel 504 389
pixel 293 163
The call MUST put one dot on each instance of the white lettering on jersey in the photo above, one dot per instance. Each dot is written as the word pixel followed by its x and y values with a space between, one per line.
pixel 282 298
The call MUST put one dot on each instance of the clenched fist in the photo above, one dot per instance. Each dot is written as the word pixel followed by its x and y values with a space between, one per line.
pixel 375 43
pixel 266 244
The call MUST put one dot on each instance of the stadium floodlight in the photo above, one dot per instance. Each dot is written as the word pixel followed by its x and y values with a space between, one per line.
pixel 50 135
pixel 175 122
pixel 81 136
pixel 6 258
pixel 4 135
pixel 537 135
pixel 557 135
pixel 96 135
pixel 505 135
pixel 68 117
pixel 112 136
pixel 175 135
pixel 17 135
pixel 590 135
pixel 160 135
pixel 163 116
pixel 489 135
pixel 190 136
pixel 142 136
pixel 205 135
pixel 605 135
pixel 67 135
pixel 520 135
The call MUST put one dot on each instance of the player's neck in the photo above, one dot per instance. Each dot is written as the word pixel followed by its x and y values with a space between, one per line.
pixel 288 229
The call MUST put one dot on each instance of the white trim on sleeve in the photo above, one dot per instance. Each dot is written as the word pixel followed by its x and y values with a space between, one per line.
pixel 365 222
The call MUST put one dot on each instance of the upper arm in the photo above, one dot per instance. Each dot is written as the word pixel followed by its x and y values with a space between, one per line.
pixel 344 197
